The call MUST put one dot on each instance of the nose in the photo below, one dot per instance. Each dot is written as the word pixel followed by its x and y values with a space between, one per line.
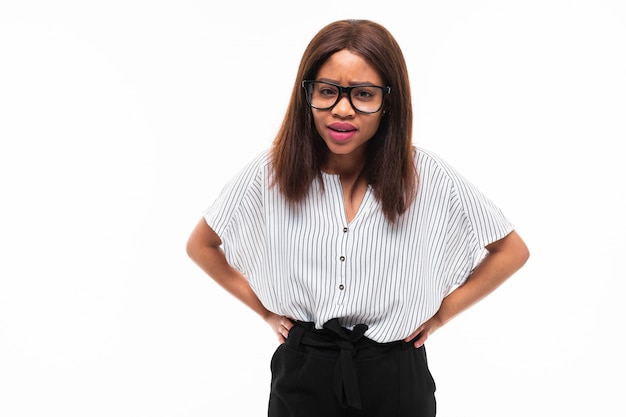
pixel 343 108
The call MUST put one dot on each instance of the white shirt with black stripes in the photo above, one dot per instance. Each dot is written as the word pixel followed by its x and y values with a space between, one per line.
pixel 309 263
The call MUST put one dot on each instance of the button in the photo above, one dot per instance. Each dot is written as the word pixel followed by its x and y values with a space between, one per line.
pixel 342 258
pixel 345 229
pixel 341 287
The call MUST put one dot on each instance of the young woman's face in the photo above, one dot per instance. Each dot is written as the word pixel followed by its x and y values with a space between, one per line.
pixel 344 129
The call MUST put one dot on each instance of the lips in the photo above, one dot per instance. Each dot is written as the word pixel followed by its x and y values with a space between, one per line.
pixel 341 131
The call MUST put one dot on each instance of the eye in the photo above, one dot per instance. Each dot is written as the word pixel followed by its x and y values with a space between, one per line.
pixel 327 90
pixel 364 93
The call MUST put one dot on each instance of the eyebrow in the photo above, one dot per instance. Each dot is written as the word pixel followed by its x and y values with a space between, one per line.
pixel 352 83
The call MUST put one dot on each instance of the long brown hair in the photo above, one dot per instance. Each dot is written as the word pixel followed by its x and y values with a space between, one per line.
pixel 298 152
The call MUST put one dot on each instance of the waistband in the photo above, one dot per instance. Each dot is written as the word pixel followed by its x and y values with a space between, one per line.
pixel 344 344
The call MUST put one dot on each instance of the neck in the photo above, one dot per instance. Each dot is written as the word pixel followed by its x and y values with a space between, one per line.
pixel 347 166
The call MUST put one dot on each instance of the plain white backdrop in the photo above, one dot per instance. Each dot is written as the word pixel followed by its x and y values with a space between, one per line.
pixel 120 121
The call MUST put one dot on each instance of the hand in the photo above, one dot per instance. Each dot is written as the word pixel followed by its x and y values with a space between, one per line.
pixel 280 325
pixel 425 330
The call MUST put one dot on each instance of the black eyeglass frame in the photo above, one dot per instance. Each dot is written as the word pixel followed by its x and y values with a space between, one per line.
pixel 344 90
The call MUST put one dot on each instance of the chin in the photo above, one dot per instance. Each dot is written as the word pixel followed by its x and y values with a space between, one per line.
pixel 340 149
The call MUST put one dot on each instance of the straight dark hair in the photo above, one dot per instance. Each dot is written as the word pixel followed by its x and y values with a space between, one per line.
pixel 298 152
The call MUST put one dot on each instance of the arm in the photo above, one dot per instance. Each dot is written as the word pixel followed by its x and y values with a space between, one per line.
pixel 504 258
pixel 204 248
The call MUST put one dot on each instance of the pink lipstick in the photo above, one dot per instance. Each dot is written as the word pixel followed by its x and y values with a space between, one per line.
pixel 341 131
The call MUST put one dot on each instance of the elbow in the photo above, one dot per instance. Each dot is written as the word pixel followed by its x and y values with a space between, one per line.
pixel 192 248
pixel 524 254
pixel 520 250
pixel 513 248
pixel 189 249
pixel 201 238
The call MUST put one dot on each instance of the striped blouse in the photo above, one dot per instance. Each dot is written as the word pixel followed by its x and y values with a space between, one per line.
pixel 309 263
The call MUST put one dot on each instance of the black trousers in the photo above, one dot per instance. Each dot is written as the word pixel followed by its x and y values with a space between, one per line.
pixel 334 372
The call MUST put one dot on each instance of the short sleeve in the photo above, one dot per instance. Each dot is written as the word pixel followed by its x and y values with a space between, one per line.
pixel 474 221
pixel 236 216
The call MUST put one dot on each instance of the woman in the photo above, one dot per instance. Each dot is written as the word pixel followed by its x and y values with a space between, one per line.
pixel 351 243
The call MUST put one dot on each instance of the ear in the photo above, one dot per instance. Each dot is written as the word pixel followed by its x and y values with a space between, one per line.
pixel 386 108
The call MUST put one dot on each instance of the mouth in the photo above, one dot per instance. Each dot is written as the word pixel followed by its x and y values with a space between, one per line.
pixel 341 131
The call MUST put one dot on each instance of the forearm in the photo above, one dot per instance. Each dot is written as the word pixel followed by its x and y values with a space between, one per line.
pixel 203 247
pixel 213 262
pixel 505 257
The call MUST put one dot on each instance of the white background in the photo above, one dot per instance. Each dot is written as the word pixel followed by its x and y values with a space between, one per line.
pixel 121 120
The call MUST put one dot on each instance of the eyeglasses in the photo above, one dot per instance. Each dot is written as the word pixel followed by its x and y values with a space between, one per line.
pixel 364 98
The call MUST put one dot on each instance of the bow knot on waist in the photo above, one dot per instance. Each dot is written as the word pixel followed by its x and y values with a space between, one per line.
pixel 346 385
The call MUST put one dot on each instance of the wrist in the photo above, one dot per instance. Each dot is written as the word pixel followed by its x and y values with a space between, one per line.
pixel 438 319
pixel 266 315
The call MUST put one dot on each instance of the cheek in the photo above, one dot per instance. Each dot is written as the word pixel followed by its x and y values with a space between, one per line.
pixel 319 124
pixel 372 127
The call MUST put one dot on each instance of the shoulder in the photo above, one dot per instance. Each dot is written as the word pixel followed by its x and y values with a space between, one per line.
pixel 430 165
pixel 244 187
pixel 257 168
pixel 249 178
pixel 261 162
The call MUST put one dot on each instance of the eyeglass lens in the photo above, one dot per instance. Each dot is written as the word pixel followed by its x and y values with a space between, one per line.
pixel 367 99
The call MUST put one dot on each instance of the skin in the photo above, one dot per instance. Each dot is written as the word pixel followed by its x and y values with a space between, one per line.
pixel 203 247
pixel 504 258
pixel 346 159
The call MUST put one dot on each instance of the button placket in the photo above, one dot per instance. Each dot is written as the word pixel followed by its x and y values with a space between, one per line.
pixel 333 183
pixel 343 264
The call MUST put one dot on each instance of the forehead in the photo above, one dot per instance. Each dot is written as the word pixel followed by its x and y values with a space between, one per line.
pixel 346 67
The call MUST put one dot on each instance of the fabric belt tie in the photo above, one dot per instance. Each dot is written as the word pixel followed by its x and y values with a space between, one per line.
pixel 346 383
